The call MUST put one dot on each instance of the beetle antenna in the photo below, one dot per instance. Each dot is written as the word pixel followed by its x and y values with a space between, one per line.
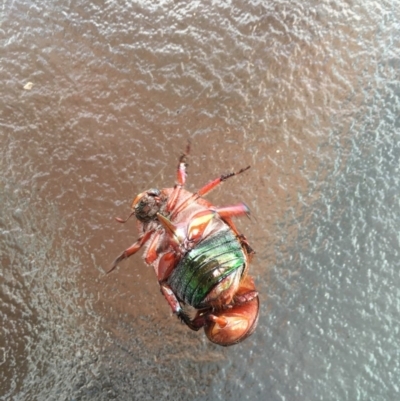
pixel 122 220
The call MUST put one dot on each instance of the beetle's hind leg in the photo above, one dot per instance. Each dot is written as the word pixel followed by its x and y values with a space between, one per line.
pixel 195 324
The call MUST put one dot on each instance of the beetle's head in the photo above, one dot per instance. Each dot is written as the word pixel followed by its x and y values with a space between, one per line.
pixel 147 204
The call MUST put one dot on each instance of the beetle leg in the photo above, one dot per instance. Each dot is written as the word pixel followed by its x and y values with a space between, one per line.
pixel 165 265
pixel 236 210
pixel 240 209
pixel 195 324
pixel 205 190
pixel 171 298
pixel 177 308
pixel 227 212
pixel 151 254
pixel 214 183
pixel 180 178
pixel 132 249
pixel 176 232
pixel 181 171
pixel 250 251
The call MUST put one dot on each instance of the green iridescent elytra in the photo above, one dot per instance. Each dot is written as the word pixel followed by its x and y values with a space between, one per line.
pixel 207 264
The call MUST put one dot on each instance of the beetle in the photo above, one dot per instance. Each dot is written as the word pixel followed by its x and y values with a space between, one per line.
pixel 200 259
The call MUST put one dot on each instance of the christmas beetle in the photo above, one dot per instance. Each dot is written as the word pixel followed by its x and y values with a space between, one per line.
pixel 200 259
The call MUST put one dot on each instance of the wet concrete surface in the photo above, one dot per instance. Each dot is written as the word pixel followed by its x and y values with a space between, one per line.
pixel 306 93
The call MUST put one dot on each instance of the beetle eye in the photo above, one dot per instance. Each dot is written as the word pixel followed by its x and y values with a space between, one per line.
pixel 141 209
pixel 153 192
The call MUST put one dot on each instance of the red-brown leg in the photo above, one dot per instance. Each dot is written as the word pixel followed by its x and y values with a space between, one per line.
pixel 180 180
pixel 227 212
pixel 176 307
pixel 171 298
pixel 132 249
pixel 241 209
pixel 205 190
pixel 214 183
pixel 181 171
pixel 176 232
pixel 165 265
pixel 151 254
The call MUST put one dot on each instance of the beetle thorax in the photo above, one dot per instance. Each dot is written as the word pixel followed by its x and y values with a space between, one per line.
pixel 147 204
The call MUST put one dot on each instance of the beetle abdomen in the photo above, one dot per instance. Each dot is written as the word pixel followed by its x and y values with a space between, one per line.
pixel 207 264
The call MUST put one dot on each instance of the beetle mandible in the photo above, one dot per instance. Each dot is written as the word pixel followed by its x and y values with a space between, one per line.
pixel 200 259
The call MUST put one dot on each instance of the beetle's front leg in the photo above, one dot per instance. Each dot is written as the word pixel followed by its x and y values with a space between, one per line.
pixel 132 249
pixel 195 324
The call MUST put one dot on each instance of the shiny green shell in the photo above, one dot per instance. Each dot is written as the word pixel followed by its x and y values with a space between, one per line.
pixel 207 264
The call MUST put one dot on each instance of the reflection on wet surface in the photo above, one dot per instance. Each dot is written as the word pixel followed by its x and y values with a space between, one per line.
pixel 307 93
